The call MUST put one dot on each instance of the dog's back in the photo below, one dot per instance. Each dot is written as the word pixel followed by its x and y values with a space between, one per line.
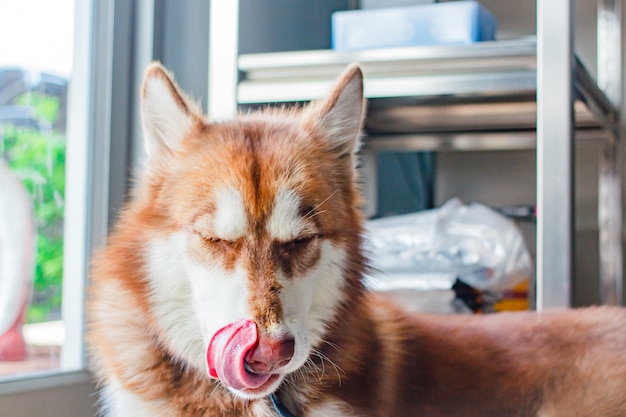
pixel 558 363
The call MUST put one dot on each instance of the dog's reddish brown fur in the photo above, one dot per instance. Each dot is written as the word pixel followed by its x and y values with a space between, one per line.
pixel 512 364
pixel 380 361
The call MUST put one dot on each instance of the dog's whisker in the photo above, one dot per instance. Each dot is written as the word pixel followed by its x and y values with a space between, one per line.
pixel 308 215
pixel 317 213
pixel 319 372
pixel 325 358
pixel 331 344
pixel 217 385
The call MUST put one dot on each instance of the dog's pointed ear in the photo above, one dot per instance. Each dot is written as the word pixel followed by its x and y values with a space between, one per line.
pixel 341 114
pixel 167 114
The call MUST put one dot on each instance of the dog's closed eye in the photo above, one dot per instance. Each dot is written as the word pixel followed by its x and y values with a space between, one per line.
pixel 215 241
pixel 296 246
pixel 301 241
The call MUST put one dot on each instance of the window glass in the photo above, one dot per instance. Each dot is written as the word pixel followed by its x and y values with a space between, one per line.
pixel 36 40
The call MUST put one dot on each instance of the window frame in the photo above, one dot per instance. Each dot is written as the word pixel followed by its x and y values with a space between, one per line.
pixel 94 187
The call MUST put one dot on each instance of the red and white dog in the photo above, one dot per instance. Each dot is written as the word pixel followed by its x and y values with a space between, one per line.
pixel 232 287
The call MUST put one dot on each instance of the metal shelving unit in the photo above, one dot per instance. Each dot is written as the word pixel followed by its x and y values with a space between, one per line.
pixel 520 94
pixel 453 92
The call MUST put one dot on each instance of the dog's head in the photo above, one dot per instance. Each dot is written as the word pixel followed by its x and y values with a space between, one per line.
pixel 254 230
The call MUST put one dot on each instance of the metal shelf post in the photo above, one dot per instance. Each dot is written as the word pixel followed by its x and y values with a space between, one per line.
pixel 609 69
pixel 555 143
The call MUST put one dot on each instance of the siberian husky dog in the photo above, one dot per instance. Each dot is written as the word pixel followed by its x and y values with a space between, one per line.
pixel 232 286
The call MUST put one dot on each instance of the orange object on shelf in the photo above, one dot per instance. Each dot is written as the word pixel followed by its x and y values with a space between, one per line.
pixel 515 299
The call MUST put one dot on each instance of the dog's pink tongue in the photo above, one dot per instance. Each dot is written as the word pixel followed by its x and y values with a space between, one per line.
pixel 226 354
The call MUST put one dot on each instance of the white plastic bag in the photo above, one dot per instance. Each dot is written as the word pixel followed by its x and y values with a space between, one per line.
pixel 430 249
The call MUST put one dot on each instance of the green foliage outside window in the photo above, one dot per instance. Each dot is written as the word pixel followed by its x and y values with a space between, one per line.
pixel 37 157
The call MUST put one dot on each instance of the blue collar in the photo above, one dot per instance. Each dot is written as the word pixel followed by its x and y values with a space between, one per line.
pixel 279 407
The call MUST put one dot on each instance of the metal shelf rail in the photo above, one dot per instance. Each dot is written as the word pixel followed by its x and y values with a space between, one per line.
pixel 519 94
pixel 487 86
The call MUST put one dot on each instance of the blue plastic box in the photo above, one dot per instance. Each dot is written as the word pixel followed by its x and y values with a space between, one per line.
pixel 453 23
pixel 380 4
